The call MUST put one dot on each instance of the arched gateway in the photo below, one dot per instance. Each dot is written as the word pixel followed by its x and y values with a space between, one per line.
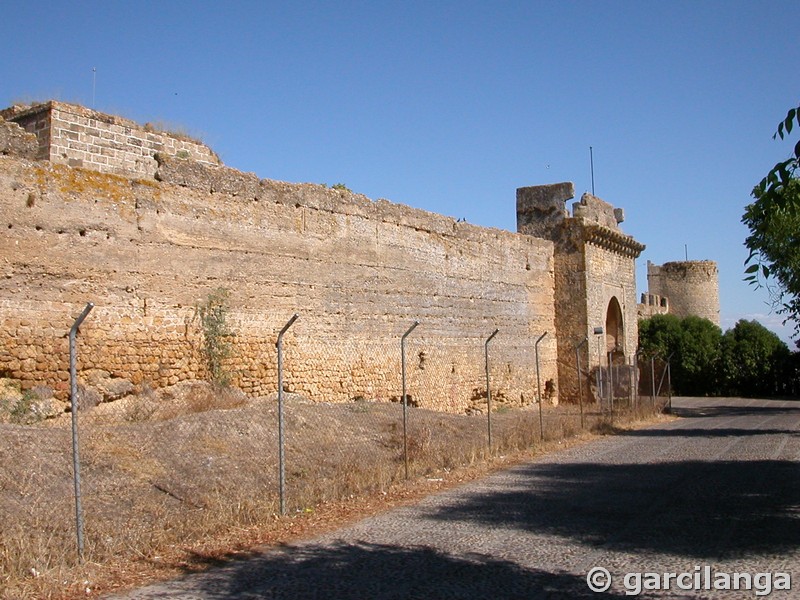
pixel 615 329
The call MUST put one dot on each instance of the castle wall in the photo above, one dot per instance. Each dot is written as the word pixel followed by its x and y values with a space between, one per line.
pixel 358 272
pixel 72 135
pixel 611 275
pixel 570 291
pixel 692 287
pixel 16 141
pixel 651 305
pixel 594 263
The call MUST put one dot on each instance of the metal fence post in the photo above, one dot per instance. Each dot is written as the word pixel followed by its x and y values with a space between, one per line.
pixel 669 384
pixel 611 385
pixel 653 381
pixel 539 387
pixel 598 331
pixel 580 378
pixel 405 398
pixel 635 385
pixel 665 374
pixel 281 457
pixel 73 392
pixel 488 388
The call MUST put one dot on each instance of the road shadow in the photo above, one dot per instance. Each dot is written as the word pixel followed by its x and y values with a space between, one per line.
pixel 356 571
pixel 734 407
pixel 722 432
pixel 709 510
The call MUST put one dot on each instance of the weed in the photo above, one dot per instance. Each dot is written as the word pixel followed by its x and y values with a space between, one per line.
pixel 202 399
pixel 24 410
pixel 213 315
pixel 176 131
pixel 341 187
pixel 140 409
pixel 359 405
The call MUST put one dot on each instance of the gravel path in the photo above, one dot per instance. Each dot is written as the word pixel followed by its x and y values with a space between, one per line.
pixel 718 488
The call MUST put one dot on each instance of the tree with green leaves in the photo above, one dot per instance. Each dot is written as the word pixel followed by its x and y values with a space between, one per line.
pixel 774 223
pixel 755 361
pixel 748 360
pixel 692 345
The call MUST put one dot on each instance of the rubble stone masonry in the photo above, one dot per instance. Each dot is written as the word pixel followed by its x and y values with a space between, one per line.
pixel 147 224
pixel 691 287
pixel 147 243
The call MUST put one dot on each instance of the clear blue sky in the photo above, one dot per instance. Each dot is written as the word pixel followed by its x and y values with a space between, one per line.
pixel 450 106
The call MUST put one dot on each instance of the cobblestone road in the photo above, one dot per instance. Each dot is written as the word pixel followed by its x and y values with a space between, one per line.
pixel 718 488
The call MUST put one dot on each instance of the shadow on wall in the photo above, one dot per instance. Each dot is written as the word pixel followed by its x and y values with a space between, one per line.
pixel 382 572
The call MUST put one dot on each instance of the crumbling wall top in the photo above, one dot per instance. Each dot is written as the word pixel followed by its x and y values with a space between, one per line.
pixel 687 267
pixel 16 141
pixel 77 136
pixel 591 209
pixel 540 208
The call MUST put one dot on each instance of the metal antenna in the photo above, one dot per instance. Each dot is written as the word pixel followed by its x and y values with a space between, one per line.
pixel 94 84
pixel 591 164
pixel 686 251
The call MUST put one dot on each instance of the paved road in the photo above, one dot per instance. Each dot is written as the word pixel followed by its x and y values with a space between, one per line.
pixel 718 488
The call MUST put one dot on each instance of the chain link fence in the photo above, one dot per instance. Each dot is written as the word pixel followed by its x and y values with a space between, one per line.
pixel 165 467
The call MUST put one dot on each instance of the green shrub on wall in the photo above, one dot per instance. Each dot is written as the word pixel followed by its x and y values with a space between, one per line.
pixel 213 315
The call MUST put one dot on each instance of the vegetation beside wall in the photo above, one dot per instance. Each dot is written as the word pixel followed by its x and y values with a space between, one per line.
pixel 747 360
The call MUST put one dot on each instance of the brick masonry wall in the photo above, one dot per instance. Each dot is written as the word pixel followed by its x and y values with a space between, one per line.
pixel 16 141
pixel 357 271
pixel 570 295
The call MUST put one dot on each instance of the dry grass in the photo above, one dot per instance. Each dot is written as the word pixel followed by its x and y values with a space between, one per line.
pixel 193 472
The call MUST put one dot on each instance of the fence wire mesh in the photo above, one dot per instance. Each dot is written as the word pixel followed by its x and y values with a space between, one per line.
pixel 171 466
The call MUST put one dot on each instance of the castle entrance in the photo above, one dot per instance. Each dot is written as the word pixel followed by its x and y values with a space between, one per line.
pixel 615 331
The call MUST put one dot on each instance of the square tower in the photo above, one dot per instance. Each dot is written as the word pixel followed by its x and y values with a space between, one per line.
pixel 595 278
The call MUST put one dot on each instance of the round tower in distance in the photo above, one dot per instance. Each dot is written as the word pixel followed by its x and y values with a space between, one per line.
pixel 692 287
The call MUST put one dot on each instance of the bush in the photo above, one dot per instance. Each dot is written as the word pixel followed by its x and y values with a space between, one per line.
pixel 213 315
pixel 748 360
pixel 692 346
pixel 755 361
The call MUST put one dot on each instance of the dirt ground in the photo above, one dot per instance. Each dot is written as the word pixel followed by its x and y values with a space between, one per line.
pixel 177 479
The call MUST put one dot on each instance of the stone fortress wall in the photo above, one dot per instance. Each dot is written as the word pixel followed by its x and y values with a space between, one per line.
pixel 150 234
pixel 682 288
pixel 146 250
pixel 595 279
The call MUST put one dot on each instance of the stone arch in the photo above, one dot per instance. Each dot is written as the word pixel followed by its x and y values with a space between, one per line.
pixel 615 328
